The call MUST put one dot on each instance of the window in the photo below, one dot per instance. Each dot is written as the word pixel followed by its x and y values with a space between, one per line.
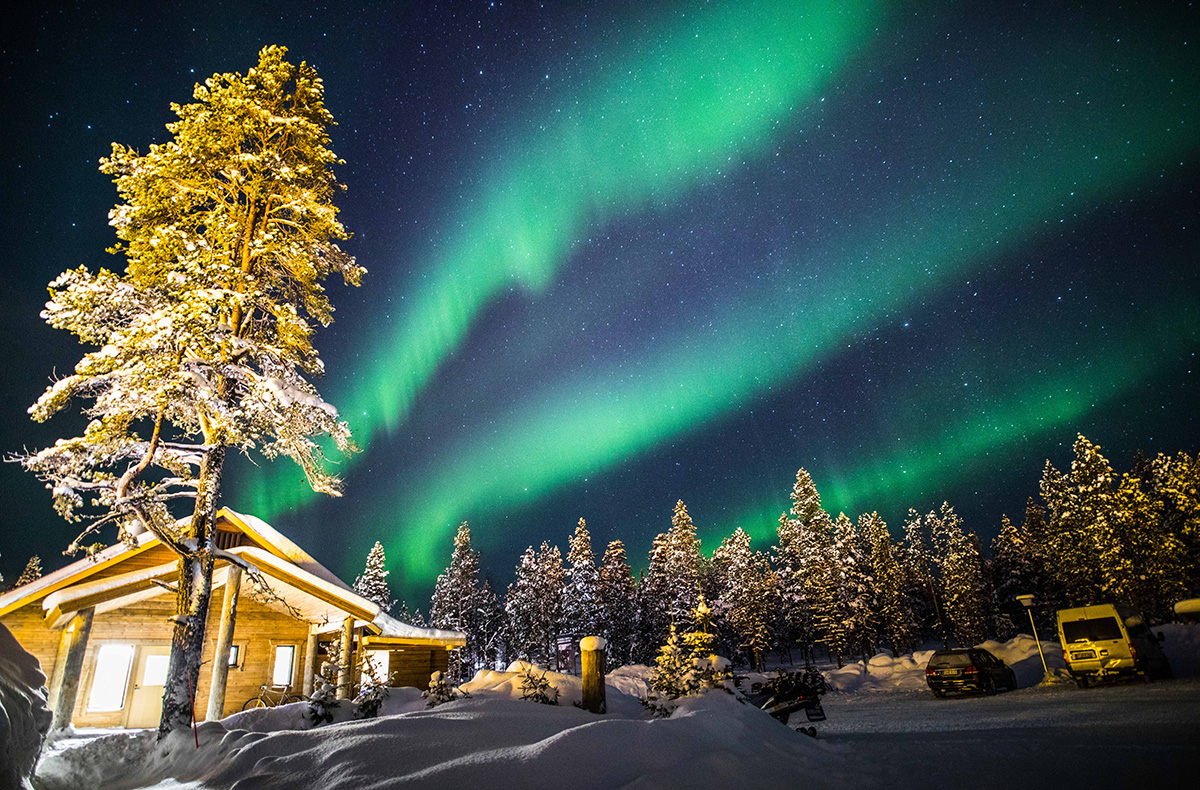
pixel 154 670
pixel 235 655
pixel 113 663
pixel 1096 630
pixel 375 666
pixel 285 656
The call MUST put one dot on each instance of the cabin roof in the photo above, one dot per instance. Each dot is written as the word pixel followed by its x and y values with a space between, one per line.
pixel 300 586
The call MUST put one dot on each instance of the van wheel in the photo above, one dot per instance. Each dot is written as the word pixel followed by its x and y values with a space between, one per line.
pixel 1082 681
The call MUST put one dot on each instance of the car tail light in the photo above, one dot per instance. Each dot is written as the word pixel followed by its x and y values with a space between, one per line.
pixel 929 672
pixel 971 670
pixel 1132 651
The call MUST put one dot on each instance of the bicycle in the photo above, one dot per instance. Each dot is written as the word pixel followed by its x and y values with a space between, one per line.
pixel 270 696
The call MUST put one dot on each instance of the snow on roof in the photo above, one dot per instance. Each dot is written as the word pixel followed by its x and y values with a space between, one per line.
pixel 277 540
pixel 390 626
pixel 55 579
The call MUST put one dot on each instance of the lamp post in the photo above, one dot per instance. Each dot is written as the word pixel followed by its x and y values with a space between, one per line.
pixel 1027 601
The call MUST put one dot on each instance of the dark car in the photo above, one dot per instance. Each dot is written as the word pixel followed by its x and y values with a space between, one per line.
pixel 967 669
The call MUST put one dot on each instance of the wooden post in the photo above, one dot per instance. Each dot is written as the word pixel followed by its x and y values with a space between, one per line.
pixel 220 670
pixel 345 681
pixel 591 650
pixel 72 647
pixel 310 663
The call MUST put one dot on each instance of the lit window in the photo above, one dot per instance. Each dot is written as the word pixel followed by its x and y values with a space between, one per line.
pixel 154 670
pixel 375 666
pixel 285 655
pixel 113 663
pixel 233 655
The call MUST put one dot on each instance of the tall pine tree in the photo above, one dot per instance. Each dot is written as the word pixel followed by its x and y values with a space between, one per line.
pixel 457 600
pixel 204 342
pixel 579 595
pixel 616 605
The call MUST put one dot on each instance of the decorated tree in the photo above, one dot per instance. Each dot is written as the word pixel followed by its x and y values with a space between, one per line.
pixel 373 584
pixel 203 344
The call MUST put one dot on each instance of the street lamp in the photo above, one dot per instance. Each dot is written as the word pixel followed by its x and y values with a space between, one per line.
pixel 1027 602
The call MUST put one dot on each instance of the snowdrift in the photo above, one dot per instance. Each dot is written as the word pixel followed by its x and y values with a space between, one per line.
pixel 24 717
pixel 907 673
pixel 492 739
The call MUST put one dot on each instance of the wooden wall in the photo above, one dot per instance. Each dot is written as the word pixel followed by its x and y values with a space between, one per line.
pixel 258 630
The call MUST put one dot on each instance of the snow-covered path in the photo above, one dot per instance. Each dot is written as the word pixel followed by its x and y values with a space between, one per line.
pixel 1129 735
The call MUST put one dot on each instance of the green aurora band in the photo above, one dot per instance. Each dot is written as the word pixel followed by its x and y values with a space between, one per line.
pixel 631 147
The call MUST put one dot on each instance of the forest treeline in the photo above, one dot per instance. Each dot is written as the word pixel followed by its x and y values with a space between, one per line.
pixel 846 587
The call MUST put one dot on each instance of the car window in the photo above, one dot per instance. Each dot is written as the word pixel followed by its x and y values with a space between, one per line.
pixel 950 660
pixel 1095 630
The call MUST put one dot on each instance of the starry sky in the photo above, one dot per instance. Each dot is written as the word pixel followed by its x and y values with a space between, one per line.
pixel 621 254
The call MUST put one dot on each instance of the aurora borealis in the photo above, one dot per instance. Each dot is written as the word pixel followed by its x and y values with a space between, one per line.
pixel 621 256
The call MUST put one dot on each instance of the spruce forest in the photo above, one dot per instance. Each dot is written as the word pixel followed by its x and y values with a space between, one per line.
pixel 839 588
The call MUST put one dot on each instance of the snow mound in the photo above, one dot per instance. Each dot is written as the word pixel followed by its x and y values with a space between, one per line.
pixel 24 717
pixel 489 740
pixel 883 672
pixel 1181 644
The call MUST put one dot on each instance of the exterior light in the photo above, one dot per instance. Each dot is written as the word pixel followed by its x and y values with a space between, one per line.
pixel 1027 601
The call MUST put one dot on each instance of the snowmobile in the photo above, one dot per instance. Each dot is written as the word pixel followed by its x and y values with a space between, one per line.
pixel 785 694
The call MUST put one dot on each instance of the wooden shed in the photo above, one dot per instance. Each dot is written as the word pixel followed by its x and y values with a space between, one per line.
pixel 102 629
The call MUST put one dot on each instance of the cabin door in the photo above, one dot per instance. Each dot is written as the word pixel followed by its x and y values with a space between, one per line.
pixel 149 681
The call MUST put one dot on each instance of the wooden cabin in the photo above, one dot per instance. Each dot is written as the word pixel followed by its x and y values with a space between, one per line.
pixel 102 629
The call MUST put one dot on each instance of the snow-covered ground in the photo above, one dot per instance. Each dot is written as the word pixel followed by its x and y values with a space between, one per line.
pixel 884 730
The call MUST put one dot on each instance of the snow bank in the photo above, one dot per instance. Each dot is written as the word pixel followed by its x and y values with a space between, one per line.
pixel 907 672
pixel 489 740
pixel 1181 644
pixel 24 717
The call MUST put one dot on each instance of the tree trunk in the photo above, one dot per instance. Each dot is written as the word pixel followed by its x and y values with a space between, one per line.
pixel 192 601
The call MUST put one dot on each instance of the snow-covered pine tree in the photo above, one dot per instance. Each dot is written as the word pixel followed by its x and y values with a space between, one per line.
pixel 1013 573
pixel 372 584
pixel 801 534
pixel 534 604
pixel 413 617
pixel 1080 510
pixel 616 605
pixel 653 605
pixel 894 619
pixel 492 629
pixel 521 609
pixel 920 583
pixel 857 590
pixel 579 594
pixel 456 602
pixel 32 572
pixel 963 587
pixel 205 341
pixel 830 615
pixel 682 565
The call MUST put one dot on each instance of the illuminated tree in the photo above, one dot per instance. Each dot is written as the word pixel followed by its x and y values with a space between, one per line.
pixel 579 595
pixel 373 584
pixel 894 620
pixel 801 534
pixel 32 572
pixel 204 342
pixel 963 589
pixel 534 604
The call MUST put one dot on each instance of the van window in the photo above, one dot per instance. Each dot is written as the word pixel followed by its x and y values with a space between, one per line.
pixel 1096 630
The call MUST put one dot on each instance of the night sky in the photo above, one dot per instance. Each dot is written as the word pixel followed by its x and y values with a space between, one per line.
pixel 621 254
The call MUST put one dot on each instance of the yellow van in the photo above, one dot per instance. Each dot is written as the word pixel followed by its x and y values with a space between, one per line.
pixel 1109 640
